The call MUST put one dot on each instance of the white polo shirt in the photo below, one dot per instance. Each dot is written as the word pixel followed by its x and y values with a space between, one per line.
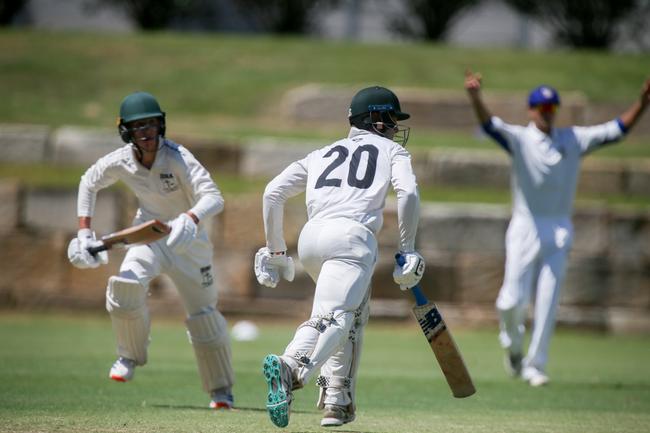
pixel 545 168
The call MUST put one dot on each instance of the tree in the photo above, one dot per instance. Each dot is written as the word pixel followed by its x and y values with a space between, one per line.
pixel 429 19
pixel 153 14
pixel 9 9
pixel 579 23
pixel 283 16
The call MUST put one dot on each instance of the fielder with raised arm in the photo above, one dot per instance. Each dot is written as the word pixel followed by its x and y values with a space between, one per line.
pixel 171 185
pixel 545 167
pixel 346 185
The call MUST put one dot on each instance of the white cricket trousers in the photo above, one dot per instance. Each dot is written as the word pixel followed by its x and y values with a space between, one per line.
pixel 339 255
pixel 536 253
pixel 191 272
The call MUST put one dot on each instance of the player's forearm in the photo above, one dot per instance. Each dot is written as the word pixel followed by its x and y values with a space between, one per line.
pixel 632 114
pixel 208 205
pixel 408 211
pixel 480 110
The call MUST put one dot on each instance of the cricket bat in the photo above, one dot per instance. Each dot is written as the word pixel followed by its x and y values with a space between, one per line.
pixel 442 343
pixel 144 233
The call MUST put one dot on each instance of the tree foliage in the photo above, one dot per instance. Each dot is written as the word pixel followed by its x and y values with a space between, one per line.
pixel 9 9
pixel 579 23
pixel 154 14
pixel 283 16
pixel 429 19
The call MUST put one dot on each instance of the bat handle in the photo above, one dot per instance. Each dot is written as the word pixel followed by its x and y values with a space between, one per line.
pixel 97 249
pixel 420 299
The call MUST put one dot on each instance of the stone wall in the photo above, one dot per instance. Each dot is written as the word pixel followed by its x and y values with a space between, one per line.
pixel 608 279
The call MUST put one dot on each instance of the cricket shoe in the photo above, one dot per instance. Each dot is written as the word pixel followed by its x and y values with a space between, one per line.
pixel 512 363
pixel 222 399
pixel 335 415
pixel 534 377
pixel 279 380
pixel 122 370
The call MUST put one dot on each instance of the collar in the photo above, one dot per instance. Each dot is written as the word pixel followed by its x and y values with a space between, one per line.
pixel 539 134
pixel 354 132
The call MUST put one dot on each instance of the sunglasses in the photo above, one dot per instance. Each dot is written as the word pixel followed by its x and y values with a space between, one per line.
pixel 546 108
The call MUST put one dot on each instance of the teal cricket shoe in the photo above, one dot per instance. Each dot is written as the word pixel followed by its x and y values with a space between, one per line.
pixel 278 400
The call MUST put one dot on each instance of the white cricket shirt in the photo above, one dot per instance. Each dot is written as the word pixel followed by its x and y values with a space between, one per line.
pixel 347 179
pixel 176 183
pixel 545 168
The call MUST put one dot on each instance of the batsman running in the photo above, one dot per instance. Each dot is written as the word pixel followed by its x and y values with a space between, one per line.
pixel 346 185
pixel 171 185
pixel 545 167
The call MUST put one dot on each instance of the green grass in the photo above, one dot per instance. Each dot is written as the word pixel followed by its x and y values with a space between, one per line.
pixel 53 370
pixel 208 80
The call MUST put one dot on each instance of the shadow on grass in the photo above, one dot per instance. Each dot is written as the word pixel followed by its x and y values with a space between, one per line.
pixel 234 409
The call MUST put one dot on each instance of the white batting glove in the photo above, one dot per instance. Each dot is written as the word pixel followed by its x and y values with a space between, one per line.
pixel 78 251
pixel 410 273
pixel 183 232
pixel 270 266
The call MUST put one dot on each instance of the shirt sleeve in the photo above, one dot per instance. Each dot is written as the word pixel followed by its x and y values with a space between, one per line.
pixel 291 182
pixel 100 175
pixel 209 200
pixel 501 132
pixel 408 198
pixel 592 137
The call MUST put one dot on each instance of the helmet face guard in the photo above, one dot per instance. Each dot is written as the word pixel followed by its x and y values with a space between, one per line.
pixel 139 106
pixel 382 119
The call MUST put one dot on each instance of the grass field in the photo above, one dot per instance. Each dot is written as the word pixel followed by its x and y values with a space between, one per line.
pixel 221 82
pixel 53 370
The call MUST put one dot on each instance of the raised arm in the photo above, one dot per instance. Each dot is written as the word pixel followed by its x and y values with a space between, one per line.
pixel 632 114
pixel 473 87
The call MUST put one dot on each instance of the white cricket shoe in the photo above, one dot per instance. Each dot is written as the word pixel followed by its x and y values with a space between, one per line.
pixel 335 415
pixel 222 399
pixel 534 377
pixel 122 370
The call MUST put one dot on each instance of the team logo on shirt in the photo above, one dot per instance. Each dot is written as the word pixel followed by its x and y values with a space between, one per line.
pixel 206 276
pixel 169 182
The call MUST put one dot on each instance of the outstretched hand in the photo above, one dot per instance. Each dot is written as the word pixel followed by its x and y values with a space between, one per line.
pixel 472 81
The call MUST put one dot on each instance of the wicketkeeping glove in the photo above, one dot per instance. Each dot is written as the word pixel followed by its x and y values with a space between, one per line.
pixel 78 251
pixel 183 232
pixel 410 273
pixel 269 266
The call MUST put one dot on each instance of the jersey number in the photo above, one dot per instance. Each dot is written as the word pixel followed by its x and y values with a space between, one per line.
pixel 353 179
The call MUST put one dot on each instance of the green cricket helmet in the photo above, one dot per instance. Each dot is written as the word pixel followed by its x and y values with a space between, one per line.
pixel 376 99
pixel 377 108
pixel 137 106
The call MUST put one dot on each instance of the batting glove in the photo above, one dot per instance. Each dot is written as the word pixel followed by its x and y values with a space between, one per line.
pixel 270 266
pixel 183 232
pixel 410 273
pixel 78 251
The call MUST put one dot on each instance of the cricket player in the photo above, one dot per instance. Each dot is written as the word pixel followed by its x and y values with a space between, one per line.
pixel 346 185
pixel 171 185
pixel 545 167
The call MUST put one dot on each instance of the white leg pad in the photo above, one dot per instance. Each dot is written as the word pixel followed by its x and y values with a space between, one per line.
pixel 208 333
pixel 338 377
pixel 125 302
pixel 330 333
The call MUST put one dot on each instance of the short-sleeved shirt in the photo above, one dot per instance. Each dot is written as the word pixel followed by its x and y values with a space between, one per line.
pixel 545 167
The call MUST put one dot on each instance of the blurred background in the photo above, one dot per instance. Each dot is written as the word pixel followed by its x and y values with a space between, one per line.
pixel 251 85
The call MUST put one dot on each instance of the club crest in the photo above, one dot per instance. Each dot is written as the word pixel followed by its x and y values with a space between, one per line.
pixel 169 183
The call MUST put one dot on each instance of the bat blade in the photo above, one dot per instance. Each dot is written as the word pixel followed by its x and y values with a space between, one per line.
pixel 141 234
pixel 445 349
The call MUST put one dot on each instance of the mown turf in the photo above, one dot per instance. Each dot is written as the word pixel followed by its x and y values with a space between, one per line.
pixel 53 378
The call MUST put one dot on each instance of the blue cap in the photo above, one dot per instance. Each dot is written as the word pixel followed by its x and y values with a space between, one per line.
pixel 543 95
